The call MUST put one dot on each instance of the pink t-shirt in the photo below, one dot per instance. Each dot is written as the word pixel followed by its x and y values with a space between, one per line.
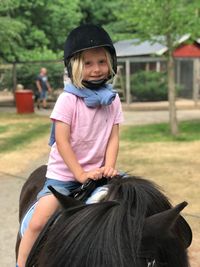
pixel 90 131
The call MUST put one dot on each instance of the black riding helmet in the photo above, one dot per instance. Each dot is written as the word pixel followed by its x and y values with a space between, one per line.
pixel 85 37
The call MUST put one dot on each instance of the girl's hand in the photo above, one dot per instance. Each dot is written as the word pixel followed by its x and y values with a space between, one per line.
pixel 93 174
pixel 108 171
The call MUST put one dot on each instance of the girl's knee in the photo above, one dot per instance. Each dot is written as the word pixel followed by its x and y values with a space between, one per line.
pixel 36 225
pixel 46 206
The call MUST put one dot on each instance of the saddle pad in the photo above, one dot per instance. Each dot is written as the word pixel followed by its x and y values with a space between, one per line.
pixel 26 219
pixel 98 194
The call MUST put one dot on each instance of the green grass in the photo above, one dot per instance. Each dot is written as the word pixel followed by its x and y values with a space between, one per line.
pixel 16 131
pixel 188 131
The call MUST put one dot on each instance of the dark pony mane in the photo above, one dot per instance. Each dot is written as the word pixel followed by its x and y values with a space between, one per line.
pixel 111 233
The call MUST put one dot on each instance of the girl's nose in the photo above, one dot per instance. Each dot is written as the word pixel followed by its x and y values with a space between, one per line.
pixel 96 67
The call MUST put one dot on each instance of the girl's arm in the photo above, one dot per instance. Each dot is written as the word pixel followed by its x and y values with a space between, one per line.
pixel 111 153
pixel 62 135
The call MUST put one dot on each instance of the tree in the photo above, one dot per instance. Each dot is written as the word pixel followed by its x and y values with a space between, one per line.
pixel 97 12
pixel 93 11
pixel 163 21
pixel 57 19
pixel 36 29
pixel 10 29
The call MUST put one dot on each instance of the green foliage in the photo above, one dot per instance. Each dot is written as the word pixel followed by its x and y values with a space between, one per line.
pixel 34 28
pixel 10 37
pixel 37 29
pixel 164 22
pixel 149 86
pixel 37 54
pixel 6 80
pixel 27 73
pixel 151 19
pixel 58 19
pixel 95 12
pixel 190 131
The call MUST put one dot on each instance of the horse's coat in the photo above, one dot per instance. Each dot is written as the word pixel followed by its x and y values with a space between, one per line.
pixel 134 225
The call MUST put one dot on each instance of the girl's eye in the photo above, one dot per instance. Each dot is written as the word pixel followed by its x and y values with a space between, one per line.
pixel 87 63
pixel 103 61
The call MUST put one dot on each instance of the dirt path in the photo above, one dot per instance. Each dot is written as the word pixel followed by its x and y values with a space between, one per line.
pixel 15 168
pixel 10 186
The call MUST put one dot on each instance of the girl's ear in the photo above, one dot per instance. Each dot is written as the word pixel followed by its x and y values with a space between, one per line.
pixel 160 225
pixel 66 202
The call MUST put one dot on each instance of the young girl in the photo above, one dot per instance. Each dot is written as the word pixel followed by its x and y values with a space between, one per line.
pixel 86 118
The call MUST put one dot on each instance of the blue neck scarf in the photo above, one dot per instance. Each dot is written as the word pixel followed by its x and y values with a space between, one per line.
pixel 102 96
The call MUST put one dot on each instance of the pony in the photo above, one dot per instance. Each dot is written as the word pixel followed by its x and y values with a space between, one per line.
pixel 134 224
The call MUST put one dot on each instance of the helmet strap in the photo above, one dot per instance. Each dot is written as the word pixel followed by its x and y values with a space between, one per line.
pixel 94 84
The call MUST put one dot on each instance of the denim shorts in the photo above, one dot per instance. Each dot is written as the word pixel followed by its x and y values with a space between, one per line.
pixel 64 188
pixel 43 94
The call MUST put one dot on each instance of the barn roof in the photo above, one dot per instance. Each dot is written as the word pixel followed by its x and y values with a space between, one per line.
pixel 188 50
pixel 131 48
pixel 134 48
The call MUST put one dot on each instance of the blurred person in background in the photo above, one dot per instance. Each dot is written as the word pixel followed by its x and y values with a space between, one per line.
pixel 43 87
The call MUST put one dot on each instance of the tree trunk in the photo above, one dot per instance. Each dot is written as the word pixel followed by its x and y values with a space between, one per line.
pixel 14 75
pixel 172 94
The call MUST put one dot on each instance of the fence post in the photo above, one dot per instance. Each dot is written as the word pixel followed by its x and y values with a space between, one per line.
pixel 128 93
pixel 196 82
pixel 14 74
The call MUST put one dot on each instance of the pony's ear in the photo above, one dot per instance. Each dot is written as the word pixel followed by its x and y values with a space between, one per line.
pixel 160 225
pixel 66 202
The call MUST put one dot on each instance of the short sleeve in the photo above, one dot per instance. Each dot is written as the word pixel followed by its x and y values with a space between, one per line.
pixel 64 108
pixel 119 118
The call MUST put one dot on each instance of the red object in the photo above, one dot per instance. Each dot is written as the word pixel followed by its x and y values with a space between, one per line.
pixel 188 50
pixel 24 101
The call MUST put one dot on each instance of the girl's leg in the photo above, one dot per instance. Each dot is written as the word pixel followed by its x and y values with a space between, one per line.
pixel 46 206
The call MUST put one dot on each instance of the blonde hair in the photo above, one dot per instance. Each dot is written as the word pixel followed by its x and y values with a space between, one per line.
pixel 77 65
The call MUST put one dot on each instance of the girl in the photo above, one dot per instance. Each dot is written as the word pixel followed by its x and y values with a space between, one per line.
pixel 86 118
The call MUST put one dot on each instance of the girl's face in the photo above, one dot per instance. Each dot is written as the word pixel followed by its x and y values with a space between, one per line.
pixel 95 66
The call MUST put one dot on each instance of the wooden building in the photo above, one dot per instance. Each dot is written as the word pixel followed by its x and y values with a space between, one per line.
pixel 134 56
pixel 188 69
